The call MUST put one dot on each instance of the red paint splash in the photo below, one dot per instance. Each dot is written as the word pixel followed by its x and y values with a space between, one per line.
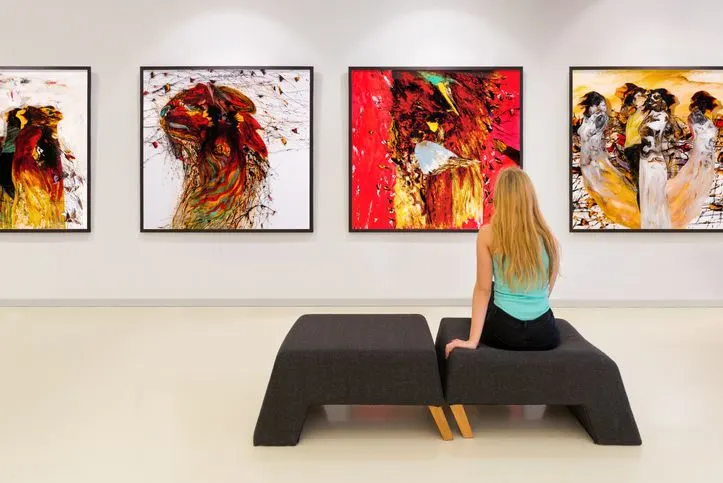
pixel 373 172
pixel 47 177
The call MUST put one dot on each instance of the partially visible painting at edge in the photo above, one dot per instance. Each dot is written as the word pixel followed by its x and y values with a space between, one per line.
pixel 426 145
pixel 45 139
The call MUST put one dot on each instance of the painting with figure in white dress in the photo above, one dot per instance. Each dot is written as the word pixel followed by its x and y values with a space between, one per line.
pixel 646 149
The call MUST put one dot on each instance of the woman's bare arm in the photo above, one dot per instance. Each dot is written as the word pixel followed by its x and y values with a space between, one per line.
pixel 482 286
pixel 480 296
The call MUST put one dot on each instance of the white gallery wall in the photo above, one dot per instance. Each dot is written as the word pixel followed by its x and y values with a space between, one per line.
pixel 116 263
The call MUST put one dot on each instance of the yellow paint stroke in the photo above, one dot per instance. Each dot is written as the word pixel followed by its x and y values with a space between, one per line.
pixel 468 195
pixel 408 206
pixel 632 128
pixel 433 126
pixel 619 202
pixel 6 210
pixel 444 89
pixel 21 117
pixel 34 207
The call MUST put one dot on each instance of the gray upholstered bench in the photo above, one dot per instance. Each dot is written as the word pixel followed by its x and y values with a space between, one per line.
pixel 350 359
pixel 576 375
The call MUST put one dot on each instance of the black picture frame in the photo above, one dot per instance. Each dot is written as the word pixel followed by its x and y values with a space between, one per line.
pixel 88 201
pixel 310 69
pixel 352 69
pixel 571 107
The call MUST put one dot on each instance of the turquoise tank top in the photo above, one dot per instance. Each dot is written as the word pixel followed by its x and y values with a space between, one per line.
pixel 527 305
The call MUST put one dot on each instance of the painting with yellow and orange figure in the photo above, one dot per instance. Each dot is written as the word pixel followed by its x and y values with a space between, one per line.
pixel 44 149
pixel 646 149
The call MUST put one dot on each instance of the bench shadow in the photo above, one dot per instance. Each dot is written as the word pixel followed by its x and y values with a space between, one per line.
pixel 408 433
pixel 533 432
pixel 400 433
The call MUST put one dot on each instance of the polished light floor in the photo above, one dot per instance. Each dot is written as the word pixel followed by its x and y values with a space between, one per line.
pixel 171 396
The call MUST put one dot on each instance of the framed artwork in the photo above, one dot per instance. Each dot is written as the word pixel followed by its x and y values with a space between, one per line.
pixel 226 149
pixel 426 145
pixel 645 149
pixel 45 155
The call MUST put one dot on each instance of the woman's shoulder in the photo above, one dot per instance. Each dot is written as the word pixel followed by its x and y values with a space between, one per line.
pixel 484 236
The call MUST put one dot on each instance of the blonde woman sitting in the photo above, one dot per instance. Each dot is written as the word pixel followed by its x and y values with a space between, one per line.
pixel 517 265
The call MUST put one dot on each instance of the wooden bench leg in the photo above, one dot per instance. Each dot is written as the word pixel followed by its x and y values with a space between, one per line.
pixel 462 422
pixel 441 421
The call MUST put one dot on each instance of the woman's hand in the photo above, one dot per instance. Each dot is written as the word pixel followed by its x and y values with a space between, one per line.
pixel 464 344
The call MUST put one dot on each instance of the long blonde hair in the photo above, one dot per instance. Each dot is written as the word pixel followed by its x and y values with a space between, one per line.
pixel 517 229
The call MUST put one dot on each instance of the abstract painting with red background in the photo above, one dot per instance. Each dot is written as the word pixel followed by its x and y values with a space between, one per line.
pixel 427 145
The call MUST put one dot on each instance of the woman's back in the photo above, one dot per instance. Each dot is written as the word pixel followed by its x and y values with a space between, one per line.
pixel 520 302
pixel 522 249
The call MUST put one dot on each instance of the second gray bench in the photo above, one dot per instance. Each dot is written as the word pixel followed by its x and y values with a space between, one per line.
pixel 576 374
